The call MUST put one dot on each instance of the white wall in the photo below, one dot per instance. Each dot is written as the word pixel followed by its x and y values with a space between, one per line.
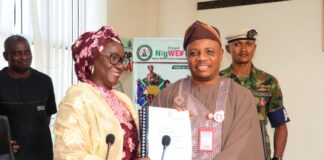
pixel 174 16
pixel 132 19
pixel 289 47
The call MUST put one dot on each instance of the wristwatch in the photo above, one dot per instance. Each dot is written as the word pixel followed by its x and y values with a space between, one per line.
pixel 276 158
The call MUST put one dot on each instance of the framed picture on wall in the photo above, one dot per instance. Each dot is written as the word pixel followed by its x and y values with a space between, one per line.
pixel 213 4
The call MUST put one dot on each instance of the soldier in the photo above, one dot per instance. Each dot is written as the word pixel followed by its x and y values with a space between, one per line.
pixel 265 88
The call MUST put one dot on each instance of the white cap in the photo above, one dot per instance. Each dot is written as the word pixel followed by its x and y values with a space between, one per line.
pixel 249 34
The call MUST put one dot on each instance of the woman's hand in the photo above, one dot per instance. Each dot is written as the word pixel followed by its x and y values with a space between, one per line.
pixel 14 146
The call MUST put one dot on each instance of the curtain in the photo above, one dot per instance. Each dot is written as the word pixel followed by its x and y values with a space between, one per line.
pixel 56 24
pixel 6 24
pixel 6 17
pixel 51 26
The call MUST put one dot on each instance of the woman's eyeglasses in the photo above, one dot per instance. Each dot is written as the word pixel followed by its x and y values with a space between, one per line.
pixel 116 59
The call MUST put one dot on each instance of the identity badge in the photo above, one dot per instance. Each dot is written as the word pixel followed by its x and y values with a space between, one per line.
pixel 205 140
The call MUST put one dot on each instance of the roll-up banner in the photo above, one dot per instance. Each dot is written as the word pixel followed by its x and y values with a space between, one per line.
pixel 157 63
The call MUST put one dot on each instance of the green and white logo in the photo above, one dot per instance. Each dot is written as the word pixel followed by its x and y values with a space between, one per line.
pixel 144 52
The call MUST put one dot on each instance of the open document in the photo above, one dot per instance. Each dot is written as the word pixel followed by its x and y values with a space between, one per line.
pixel 169 134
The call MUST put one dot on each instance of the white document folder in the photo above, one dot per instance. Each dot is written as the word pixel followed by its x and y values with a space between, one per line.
pixel 173 123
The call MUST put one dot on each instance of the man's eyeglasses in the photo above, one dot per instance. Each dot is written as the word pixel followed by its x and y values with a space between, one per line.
pixel 115 59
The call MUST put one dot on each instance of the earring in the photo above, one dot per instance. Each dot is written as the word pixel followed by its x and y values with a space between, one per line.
pixel 92 69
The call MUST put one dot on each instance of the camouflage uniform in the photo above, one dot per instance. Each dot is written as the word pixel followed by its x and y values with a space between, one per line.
pixel 267 92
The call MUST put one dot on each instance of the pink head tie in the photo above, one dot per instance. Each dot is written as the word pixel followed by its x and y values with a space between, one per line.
pixel 88 47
